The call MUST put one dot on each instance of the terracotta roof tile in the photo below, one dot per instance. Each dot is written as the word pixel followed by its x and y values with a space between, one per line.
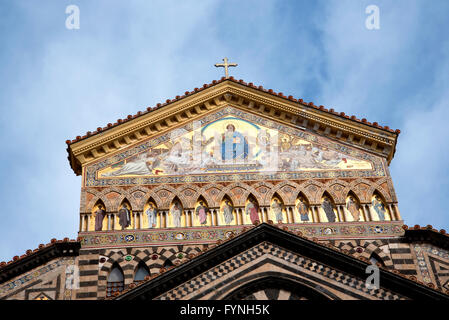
pixel 30 252
pixel 251 85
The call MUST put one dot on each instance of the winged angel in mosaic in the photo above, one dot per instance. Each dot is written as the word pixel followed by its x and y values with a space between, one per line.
pixel 233 145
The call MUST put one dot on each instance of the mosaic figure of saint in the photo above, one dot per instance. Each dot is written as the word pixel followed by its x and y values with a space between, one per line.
pixel 353 207
pixel 201 212
pixel 328 209
pixel 303 210
pixel 137 166
pixel 152 215
pixel 227 212
pixel 379 207
pixel 252 209
pixel 124 216
pixel 276 206
pixel 99 216
pixel 233 145
pixel 175 211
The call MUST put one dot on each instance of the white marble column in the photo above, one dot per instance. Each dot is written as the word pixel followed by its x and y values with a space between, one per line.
pixel 262 214
pixel 160 218
pixel 217 216
pixel 141 220
pixel 239 216
pixel 397 212
pixel 290 214
pixel 341 213
pixel 367 211
pixel 212 217
pixel 315 213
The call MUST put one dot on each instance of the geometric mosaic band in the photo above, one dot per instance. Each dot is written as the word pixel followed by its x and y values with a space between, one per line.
pixel 192 235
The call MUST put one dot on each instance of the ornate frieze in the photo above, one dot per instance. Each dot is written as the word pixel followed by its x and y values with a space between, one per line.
pixel 321 231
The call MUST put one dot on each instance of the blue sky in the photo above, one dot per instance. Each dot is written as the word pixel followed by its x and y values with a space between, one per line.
pixel 58 83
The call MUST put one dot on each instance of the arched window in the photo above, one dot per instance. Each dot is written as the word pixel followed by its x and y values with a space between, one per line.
pixel 115 281
pixel 167 263
pixel 141 273
pixel 374 259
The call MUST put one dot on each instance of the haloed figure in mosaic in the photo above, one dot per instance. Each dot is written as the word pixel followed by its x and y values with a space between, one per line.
pixel 379 207
pixel 176 212
pixel 152 215
pixel 276 206
pixel 252 209
pixel 303 210
pixel 234 145
pixel 124 216
pixel 99 216
pixel 353 207
pixel 227 212
pixel 328 209
pixel 201 212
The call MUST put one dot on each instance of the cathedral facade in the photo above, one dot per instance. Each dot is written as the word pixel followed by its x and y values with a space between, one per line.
pixel 232 191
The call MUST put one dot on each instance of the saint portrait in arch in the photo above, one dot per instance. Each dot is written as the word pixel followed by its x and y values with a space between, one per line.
pixel 233 145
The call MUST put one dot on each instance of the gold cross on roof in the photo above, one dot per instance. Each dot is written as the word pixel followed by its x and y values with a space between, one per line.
pixel 226 65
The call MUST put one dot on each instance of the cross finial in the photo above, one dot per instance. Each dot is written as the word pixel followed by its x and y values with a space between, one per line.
pixel 226 65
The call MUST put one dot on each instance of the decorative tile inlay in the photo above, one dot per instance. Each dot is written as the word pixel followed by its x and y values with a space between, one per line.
pixel 213 234
pixel 92 178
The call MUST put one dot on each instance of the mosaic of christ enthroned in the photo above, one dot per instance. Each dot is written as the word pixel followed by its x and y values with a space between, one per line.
pixel 233 144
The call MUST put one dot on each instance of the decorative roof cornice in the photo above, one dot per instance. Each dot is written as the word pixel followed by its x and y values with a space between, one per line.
pixel 427 234
pixel 215 82
pixel 41 255
pixel 195 264
pixel 388 134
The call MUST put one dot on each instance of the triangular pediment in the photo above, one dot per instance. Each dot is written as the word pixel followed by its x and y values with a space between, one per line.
pixel 228 141
pixel 158 121
pixel 246 266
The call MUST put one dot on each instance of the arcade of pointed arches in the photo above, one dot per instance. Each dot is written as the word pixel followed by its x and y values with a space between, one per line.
pixel 285 202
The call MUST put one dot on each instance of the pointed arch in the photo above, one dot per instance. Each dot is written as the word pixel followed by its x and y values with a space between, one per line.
pixel 138 195
pixel 276 210
pixel 299 287
pixel 379 207
pixel 152 195
pixel 379 190
pixel 302 212
pixel 115 280
pixel 338 189
pixel 102 222
pixel 252 210
pixel 200 219
pixel 328 210
pixel 352 208
pixel 189 194
pixel 201 197
pixel 225 217
pixel 97 196
pixel 314 189
pixel 362 188
pixel 107 193
pixel 168 263
pixel 212 191
pixel 166 193
pixel 141 271
pixel 226 193
pixel 128 221
pixel 288 198
pixel 150 216
pixel 247 189
pixel 176 214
